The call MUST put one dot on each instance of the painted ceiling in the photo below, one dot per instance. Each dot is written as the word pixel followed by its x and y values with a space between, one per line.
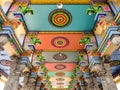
pixel 59 41
pixel 59 49
pixel 60 56
pixel 76 18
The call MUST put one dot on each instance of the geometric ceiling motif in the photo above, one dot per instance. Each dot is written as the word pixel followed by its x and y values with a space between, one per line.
pixel 59 83
pixel 60 18
pixel 60 74
pixel 59 79
pixel 60 56
pixel 59 41
pixel 80 20
pixel 60 66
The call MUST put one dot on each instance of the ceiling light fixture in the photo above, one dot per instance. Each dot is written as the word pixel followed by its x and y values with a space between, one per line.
pixel 60 54
pixel 59 5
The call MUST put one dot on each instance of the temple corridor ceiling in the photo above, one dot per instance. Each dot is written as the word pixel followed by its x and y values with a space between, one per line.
pixel 60 46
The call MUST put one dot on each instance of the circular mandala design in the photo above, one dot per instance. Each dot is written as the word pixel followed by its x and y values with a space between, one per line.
pixel 60 74
pixel 60 42
pixel 60 66
pixel 60 18
pixel 60 79
pixel 5 62
pixel 60 56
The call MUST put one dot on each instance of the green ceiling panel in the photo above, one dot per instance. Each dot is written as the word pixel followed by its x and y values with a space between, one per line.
pixel 39 20
pixel 67 74
pixel 51 74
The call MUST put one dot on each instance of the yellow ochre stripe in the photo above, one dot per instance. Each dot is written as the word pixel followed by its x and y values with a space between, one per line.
pixel 59 1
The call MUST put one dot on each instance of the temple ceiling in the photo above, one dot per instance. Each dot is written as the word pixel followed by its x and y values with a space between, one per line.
pixel 59 36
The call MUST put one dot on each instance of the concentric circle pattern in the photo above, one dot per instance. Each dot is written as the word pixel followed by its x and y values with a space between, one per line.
pixel 60 18
pixel 60 67
pixel 60 74
pixel 5 62
pixel 60 79
pixel 60 56
pixel 60 42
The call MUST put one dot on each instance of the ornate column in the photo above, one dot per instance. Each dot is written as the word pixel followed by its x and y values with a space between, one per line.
pixel 107 79
pixel 15 71
pixel 29 83
pixel 26 77
pixel 38 85
pixel 88 79
pixel 89 83
pixel 82 87
pixel 95 83
pixel 37 88
pixel 100 70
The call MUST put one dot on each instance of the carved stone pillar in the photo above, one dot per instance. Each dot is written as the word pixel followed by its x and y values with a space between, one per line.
pixel 102 74
pixel 78 88
pixel 25 86
pixel 38 84
pixel 95 83
pixel 37 88
pixel 31 86
pixel 29 83
pixel 89 84
pixel 83 87
pixel 13 78
pixel 107 79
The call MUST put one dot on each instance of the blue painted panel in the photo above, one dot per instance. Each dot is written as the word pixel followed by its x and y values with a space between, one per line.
pixel 115 69
pixel 114 8
pixel 39 20
pixel 115 55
